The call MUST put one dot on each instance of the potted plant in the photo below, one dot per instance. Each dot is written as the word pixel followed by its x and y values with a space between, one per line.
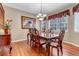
pixel 7 26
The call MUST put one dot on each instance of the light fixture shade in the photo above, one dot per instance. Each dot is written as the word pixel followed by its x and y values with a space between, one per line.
pixel 41 18
pixel 44 15
pixel 39 15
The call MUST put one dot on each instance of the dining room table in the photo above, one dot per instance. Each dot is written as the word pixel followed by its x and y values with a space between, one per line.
pixel 49 37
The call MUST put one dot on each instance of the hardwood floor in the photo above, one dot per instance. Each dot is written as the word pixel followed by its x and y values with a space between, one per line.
pixel 23 49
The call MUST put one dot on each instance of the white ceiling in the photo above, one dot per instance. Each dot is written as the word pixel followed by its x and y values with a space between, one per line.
pixel 34 8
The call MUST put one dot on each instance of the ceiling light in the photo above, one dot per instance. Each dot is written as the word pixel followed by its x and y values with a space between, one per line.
pixel 41 15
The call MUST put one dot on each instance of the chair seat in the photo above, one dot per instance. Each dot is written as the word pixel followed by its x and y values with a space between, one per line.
pixel 42 41
pixel 54 44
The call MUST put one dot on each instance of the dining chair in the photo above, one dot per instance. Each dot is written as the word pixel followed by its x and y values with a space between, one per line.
pixel 57 42
pixel 30 39
pixel 38 41
pixel 30 36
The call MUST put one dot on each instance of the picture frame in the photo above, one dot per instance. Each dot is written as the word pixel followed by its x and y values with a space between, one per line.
pixel 27 22
pixel 1 15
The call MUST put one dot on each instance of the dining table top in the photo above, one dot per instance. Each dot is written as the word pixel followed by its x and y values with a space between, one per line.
pixel 48 35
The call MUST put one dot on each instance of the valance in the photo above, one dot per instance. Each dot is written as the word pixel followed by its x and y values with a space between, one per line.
pixel 59 15
pixel 76 8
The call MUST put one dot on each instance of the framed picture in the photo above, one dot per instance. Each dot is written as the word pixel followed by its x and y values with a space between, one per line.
pixel 27 22
pixel 1 15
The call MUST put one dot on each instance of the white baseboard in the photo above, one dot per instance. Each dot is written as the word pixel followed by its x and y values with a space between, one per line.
pixel 19 40
pixel 71 43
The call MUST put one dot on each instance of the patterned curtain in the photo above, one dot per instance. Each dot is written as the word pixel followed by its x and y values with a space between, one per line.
pixel 76 8
pixel 59 15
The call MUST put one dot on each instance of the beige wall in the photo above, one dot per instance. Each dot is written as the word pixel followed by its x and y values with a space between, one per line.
pixel 19 34
pixel 73 36
pixel 16 32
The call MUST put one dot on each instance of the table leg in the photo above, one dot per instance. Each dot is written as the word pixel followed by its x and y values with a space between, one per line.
pixel 10 50
pixel 48 49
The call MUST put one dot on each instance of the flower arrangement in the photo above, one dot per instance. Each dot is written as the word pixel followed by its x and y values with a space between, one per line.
pixel 7 24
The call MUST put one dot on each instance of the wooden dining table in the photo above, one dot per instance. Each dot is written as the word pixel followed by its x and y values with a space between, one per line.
pixel 49 37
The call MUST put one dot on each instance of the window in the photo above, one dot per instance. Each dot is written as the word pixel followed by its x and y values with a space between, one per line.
pixel 58 23
pixel 43 25
pixel 76 21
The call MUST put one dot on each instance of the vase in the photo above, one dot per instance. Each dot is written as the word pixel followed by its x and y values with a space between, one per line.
pixel 6 31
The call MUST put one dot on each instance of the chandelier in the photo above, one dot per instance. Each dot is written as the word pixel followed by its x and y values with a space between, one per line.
pixel 41 15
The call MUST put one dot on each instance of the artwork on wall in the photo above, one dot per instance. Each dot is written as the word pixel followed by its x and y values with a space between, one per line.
pixel 27 22
pixel 1 14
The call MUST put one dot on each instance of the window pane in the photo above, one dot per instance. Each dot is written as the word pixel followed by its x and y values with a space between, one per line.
pixel 76 16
